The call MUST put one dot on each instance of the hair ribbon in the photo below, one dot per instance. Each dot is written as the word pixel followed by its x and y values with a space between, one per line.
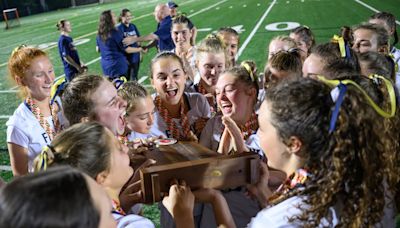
pixel 389 86
pixel 119 82
pixel 248 69
pixel 342 45
pixel 44 157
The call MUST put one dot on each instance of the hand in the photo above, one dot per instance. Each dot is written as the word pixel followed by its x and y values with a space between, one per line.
pixel 261 190
pixel 180 201
pixel 225 144
pixel 236 134
pixel 192 137
pixel 131 195
pixel 129 40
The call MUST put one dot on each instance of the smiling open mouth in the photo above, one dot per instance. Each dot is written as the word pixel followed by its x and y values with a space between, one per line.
pixel 172 92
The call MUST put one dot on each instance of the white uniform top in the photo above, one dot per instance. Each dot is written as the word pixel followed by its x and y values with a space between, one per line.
pixel 198 107
pixel 23 129
pixel 136 135
pixel 212 132
pixel 278 215
pixel 132 221
pixel 396 53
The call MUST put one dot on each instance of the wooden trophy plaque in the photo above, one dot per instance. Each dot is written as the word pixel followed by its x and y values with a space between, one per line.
pixel 198 166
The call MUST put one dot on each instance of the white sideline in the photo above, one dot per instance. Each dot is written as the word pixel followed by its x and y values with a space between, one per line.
pixel 371 8
pixel 253 32
pixel 5 168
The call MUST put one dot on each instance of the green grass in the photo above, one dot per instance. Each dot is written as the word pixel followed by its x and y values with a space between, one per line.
pixel 324 17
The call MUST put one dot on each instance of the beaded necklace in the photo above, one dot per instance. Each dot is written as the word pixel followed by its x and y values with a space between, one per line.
pixel 123 139
pixel 117 208
pixel 34 108
pixel 171 125
pixel 294 182
pixel 213 107
pixel 250 126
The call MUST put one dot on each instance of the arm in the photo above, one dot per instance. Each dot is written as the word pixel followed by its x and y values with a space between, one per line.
pixel 18 159
pixel 180 203
pixel 133 49
pixel 222 213
pixel 133 39
pixel 71 62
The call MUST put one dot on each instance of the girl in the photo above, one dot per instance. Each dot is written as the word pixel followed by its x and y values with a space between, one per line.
pixel 336 54
pixel 304 39
pixel 388 21
pixel 336 130
pixel 94 150
pixel 370 37
pixel 35 122
pixel 109 43
pixel 179 114
pixel 236 91
pixel 129 29
pixel 211 60
pixel 140 110
pixel 376 63
pixel 94 98
pixel 182 34
pixel 68 52
pixel 59 197
pixel 231 39
pixel 280 43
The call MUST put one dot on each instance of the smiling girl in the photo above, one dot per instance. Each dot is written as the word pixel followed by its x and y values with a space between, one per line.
pixel 211 60
pixel 179 114
pixel 140 110
pixel 35 122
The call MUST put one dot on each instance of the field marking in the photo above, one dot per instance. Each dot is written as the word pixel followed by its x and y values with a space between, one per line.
pixel 92 33
pixel 372 8
pixel 4 116
pixel 253 32
pixel 5 168
pixel 95 60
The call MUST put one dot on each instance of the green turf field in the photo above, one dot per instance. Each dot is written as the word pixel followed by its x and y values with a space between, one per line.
pixel 250 17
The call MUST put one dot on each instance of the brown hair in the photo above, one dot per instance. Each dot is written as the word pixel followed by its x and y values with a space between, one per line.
pixel 342 162
pixel 60 24
pixel 106 25
pixel 305 34
pixel 163 55
pixel 76 98
pixel 390 20
pixel 20 61
pixel 378 63
pixel 85 146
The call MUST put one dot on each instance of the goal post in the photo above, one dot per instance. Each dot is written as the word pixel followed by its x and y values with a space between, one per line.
pixel 11 17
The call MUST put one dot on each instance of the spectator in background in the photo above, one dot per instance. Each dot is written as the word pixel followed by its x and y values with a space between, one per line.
pixel 109 43
pixel 129 29
pixel 172 8
pixel 68 52
pixel 162 35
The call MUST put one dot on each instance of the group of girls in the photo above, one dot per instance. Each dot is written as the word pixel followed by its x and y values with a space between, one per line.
pixel 328 141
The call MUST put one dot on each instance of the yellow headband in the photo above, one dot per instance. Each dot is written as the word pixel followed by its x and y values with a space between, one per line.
pixel 248 69
pixel 388 84
pixel 45 157
pixel 340 41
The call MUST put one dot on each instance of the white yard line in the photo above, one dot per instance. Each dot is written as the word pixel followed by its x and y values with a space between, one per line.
pixel 371 8
pixel 4 117
pixel 5 168
pixel 253 32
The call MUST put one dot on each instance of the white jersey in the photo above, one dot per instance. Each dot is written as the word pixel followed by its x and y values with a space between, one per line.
pixel 212 132
pixel 396 55
pixel 23 129
pixel 198 108
pixel 132 221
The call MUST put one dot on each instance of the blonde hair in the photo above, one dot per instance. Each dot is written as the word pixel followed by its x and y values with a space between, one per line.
pixel 213 44
pixel 131 92
pixel 20 61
